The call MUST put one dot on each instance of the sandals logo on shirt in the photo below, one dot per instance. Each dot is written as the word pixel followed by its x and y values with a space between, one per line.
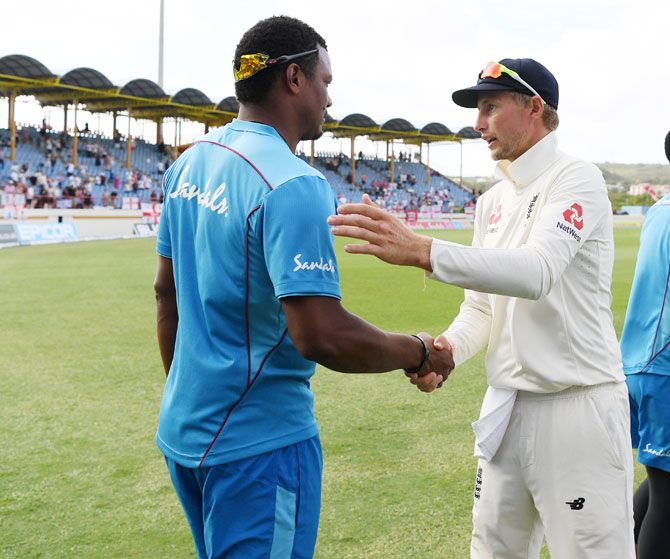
pixel 320 265
pixel 212 200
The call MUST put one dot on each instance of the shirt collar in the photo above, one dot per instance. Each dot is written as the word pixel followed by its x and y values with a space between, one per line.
pixel 526 168
pixel 250 126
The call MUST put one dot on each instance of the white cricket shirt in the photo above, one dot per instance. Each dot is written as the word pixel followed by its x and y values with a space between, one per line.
pixel 537 276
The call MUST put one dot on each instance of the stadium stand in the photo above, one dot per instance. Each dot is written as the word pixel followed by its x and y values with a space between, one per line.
pixel 84 170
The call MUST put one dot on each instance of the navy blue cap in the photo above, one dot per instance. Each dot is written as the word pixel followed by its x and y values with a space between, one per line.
pixel 531 71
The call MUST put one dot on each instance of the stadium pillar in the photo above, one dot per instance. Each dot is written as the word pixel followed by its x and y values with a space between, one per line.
pixel 427 162
pixel 159 131
pixel 311 153
pixel 65 106
pixel 12 125
pixel 129 141
pixel 75 137
pixel 206 128
pixel 460 180
pixel 392 178
pixel 113 123
pixel 353 160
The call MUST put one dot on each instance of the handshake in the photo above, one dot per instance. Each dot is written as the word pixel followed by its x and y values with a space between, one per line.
pixel 436 366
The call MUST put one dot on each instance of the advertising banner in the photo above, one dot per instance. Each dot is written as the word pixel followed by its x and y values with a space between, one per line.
pixel 30 234
pixel 8 235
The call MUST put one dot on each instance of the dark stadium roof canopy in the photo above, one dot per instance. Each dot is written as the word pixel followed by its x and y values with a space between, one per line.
pixel 143 88
pixel 87 77
pixel 436 129
pixel 143 98
pixel 358 120
pixel 398 125
pixel 468 133
pixel 229 104
pixel 192 96
pixel 24 67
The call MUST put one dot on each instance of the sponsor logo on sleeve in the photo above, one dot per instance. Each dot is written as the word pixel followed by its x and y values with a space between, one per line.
pixel 574 217
pixel 494 218
pixel 495 215
pixel 313 265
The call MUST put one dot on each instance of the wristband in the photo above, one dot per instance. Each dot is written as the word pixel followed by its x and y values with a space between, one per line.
pixel 414 370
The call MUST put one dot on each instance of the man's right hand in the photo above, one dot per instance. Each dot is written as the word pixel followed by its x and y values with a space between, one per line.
pixel 438 366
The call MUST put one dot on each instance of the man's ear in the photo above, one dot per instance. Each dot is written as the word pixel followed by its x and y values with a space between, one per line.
pixel 536 107
pixel 294 78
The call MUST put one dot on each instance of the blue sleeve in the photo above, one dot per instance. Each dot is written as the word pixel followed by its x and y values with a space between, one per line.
pixel 297 242
pixel 163 243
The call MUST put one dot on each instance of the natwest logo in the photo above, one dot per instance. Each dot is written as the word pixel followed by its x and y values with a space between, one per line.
pixel 573 215
pixel 496 215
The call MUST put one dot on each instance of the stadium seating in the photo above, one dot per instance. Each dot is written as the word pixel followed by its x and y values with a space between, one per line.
pixel 410 177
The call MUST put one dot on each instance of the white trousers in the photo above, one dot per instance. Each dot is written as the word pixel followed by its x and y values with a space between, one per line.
pixel 564 472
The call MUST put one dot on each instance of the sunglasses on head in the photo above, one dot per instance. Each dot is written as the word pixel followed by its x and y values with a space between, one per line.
pixel 496 69
pixel 251 64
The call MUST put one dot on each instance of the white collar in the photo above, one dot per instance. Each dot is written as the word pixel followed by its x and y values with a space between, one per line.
pixel 531 164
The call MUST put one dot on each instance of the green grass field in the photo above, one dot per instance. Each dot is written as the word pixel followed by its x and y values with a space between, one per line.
pixel 80 386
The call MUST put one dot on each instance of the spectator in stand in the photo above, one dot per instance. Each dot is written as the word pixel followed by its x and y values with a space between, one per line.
pixel 2 157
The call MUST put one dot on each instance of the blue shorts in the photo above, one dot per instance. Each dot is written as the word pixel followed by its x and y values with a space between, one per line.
pixel 649 396
pixel 264 506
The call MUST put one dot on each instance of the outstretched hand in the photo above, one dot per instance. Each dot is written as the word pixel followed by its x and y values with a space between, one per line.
pixel 433 379
pixel 388 238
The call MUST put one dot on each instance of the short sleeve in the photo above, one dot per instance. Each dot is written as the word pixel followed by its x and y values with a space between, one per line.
pixel 297 242
pixel 163 243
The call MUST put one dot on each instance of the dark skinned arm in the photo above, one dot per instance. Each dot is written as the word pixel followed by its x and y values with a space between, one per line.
pixel 324 331
pixel 166 311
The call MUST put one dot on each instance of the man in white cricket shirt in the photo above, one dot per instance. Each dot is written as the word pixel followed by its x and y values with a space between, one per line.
pixel 552 438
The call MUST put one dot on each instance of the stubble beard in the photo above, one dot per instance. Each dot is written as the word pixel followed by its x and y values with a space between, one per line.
pixel 511 149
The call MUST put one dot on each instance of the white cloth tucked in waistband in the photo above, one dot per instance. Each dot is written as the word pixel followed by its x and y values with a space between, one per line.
pixel 493 420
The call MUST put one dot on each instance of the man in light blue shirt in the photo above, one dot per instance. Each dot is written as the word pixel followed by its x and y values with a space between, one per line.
pixel 248 299
pixel 645 342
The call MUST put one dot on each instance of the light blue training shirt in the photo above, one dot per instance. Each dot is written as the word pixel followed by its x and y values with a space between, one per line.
pixel 645 339
pixel 244 222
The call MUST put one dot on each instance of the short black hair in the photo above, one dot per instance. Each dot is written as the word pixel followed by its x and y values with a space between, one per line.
pixel 275 36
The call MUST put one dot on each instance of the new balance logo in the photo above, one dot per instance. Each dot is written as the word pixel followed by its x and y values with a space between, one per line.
pixel 577 504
